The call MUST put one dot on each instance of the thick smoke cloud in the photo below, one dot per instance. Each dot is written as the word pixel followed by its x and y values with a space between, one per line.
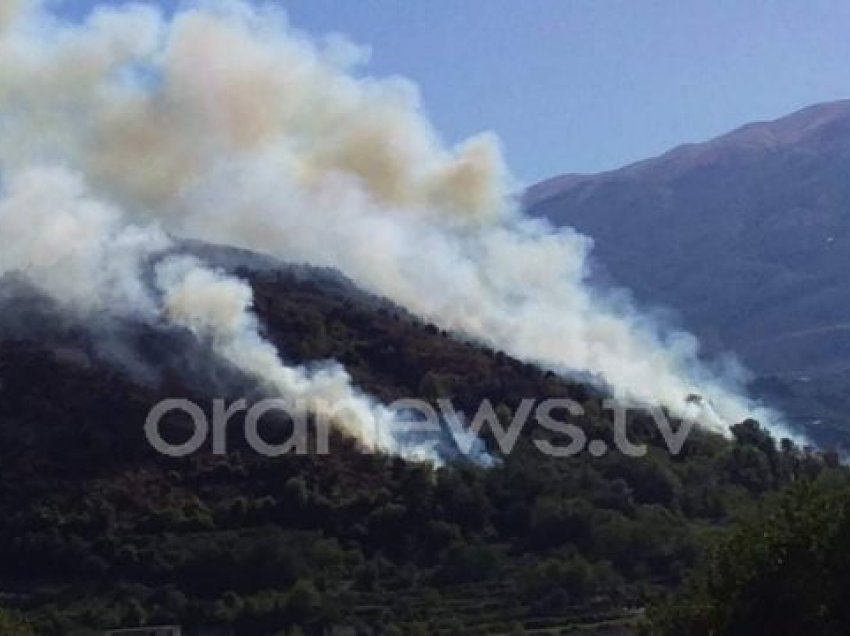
pixel 74 248
pixel 88 257
pixel 217 307
pixel 223 123
pixel 9 11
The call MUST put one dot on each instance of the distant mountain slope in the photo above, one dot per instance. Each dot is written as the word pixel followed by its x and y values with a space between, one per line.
pixel 746 235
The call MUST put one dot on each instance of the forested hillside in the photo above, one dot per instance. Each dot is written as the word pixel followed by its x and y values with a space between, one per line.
pixel 98 531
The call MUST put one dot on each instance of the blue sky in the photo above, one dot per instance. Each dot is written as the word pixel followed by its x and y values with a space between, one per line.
pixel 588 85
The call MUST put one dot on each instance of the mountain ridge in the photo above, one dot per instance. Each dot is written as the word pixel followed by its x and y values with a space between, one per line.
pixel 95 525
pixel 745 237
pixel 764 134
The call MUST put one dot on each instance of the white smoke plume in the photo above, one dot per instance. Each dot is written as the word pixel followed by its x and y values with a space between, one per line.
pixel 77 250
pixel 223 123
pixel 216 306
pixel 85 255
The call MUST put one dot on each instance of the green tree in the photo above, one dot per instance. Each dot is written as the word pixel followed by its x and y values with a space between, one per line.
pixel 11 624
pixel 786 572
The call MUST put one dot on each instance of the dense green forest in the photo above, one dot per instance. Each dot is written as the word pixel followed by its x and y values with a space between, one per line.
pixel 98 531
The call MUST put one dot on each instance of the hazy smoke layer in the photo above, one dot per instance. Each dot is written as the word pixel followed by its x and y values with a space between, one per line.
pixel 218 307
pixel 75 249
pixel 85 255
pixel 224 124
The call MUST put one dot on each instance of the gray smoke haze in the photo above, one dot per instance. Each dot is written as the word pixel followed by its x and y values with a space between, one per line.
pixel 224 124
pixel 86 256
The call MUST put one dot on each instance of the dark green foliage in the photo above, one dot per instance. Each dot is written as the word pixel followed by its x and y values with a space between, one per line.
pixel 13 625
pixel 785 572
pixel 98 531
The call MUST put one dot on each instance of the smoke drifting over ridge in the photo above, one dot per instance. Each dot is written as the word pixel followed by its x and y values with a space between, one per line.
pixel 86 255
pixel 224 124
pixel 218 307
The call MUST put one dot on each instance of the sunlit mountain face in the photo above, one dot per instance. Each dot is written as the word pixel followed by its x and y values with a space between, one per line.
pixel 745 239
